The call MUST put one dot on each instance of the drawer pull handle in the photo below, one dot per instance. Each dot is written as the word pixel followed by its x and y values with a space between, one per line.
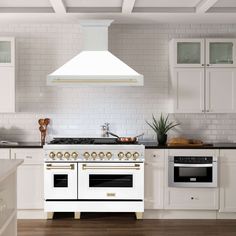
pixel 111 194
pixel 29 157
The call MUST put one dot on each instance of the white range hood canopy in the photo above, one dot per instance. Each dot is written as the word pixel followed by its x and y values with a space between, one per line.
pixel 95 65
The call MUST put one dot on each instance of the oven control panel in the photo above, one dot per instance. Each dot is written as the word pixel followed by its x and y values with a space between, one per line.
pixel 95 155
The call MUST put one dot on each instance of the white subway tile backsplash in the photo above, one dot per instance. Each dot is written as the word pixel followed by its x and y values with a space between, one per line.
pixel 41 48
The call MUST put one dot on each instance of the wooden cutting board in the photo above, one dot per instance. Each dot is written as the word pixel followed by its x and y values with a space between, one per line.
pixel 185 145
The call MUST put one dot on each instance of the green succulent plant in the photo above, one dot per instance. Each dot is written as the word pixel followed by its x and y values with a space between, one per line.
pixel 162 126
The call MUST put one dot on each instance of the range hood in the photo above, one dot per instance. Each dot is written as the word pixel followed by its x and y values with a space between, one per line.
pixel 95 65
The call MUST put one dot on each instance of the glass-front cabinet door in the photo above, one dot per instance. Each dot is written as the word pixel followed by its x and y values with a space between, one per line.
pixel 7 51
pixel 188 52
pixel 220 53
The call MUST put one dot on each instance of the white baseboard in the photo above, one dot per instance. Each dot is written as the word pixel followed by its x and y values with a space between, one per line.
pixel 31 214
pixel 179 214
pixel 148 214
pixel 228 215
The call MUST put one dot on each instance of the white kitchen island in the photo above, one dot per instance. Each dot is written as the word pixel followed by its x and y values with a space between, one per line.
pixel 8 174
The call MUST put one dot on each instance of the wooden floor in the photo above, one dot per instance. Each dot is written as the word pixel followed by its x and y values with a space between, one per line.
pixel 111 224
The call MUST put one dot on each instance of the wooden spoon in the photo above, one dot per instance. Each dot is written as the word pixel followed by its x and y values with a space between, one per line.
pixel 46 121
pixel 41 122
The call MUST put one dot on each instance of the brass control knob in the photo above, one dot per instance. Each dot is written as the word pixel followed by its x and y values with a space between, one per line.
pixel 109 155
pixel 101 155
pixel 121 155
pixel 74 155
pixel 94 155
pixel 86 155
pixel 52 155
pixel 67 155
pixel 135 155
pixel 59 155
pixel 128 155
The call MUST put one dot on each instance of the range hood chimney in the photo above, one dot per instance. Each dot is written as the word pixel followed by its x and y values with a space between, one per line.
pixel 95 65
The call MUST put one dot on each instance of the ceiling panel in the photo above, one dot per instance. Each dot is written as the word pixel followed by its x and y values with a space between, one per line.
pixel 93 3
pixel 225 3
pixel 166 3
pixel 25 3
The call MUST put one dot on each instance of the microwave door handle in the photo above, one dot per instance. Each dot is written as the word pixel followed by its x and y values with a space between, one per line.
pixel 193 165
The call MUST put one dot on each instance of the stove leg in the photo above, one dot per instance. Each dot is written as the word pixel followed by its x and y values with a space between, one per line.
pixel 139 215
pixel 50 215
pixel 77 215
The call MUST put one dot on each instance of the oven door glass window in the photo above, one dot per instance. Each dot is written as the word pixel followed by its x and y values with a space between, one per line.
pixel 60 181
pixel 110 181
pixel 193 174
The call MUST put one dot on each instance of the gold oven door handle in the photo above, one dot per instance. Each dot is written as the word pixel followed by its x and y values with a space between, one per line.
pixel 101 167
pixel 61 167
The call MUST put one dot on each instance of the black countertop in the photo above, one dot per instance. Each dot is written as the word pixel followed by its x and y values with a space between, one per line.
pixel 154 145
pixel 147 144
pixel 22 145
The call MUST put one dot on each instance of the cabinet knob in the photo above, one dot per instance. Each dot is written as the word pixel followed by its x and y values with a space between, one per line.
pixel 203 64
pixel 154 155
pixel 208 64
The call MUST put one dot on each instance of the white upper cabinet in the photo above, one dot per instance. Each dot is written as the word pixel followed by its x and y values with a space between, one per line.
pixel 188 52
pixel 220 53
pixel 206 81
pixel 7 51
pixel 7 75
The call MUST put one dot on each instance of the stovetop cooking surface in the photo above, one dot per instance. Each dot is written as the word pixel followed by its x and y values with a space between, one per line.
pixel 97 141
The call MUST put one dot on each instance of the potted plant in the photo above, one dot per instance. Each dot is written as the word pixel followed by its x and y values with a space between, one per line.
pixel 161 127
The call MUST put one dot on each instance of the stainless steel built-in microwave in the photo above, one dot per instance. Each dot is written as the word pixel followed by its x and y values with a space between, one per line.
pixel 192 171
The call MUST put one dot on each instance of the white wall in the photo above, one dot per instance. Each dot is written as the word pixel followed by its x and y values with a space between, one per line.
pixel 81 111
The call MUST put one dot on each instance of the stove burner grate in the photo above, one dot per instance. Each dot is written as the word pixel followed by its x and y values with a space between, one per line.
pixel 71 141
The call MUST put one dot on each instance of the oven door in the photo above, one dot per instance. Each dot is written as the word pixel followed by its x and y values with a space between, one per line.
pixel 60 181
pixel 110 181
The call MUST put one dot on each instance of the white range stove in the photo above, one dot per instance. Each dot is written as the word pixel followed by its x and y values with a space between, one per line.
pixel 93 175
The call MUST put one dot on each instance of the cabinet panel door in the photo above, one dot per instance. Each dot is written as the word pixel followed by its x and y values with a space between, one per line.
pixel 220 90
pixel 154 179
pixel 228 187
pixel 227 180
pixel 30 187
pixel 188 52
pixel 188 90
pixel 191 198
pixel 220 52
pixel 7 89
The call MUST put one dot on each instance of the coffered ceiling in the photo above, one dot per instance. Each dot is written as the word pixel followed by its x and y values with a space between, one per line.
pixel 123 11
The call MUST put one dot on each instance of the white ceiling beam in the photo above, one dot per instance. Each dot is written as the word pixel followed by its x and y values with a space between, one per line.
pixel 58 6
pixel 127 6
pixel 204 5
